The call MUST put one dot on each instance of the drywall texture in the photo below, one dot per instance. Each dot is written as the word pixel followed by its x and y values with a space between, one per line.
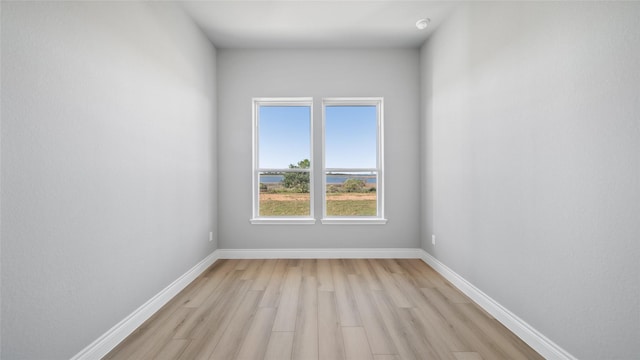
pixel 108 165
pixel 532 164
pixel 392 74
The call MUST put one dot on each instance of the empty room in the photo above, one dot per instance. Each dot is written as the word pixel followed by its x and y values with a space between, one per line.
pixel 319 180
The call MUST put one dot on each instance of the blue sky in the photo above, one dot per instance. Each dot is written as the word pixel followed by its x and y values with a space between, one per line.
pixel 350 135
pixel 284 135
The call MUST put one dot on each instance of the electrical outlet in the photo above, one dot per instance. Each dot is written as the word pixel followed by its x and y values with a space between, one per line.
pixel 210 236
pixel 433 239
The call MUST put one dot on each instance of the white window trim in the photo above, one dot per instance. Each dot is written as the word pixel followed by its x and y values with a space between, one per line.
pixel 297 220
pixel 350 220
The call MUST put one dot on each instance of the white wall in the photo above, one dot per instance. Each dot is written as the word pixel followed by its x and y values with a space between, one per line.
pixel 392 74
pixel 108 165
pixel 532 164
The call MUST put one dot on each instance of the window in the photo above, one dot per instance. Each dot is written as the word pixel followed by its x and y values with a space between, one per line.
pixel 352 174
pixel 282 161
pixel 352 161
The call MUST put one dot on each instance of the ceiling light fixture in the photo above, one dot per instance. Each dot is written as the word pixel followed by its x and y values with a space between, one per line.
pixel 423 23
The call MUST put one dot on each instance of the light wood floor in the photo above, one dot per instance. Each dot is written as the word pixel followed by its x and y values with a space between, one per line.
pixel 322 309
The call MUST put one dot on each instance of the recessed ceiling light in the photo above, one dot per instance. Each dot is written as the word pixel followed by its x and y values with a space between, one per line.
pixel 422 23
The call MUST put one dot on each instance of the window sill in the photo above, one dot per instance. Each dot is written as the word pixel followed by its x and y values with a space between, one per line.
pixel 354 221
pixel 282 221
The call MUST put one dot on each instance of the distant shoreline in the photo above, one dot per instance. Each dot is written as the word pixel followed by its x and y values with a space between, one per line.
pixel 331 179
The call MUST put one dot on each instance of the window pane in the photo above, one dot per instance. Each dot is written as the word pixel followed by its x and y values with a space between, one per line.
pixel 284 194
pixel 351 136
pixel 284 136
pixel 352 194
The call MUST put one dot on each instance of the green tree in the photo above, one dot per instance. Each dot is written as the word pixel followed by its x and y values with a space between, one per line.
pixel 298 181
pixel 354 185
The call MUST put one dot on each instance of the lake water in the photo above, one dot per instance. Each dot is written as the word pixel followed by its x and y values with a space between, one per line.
pixel 331 179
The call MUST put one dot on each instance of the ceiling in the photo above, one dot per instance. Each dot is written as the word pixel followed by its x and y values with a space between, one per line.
pixel 316 24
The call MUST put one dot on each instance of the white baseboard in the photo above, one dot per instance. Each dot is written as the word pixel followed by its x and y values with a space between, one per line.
pixel 545 347
pixel 370 253
pixel 109 340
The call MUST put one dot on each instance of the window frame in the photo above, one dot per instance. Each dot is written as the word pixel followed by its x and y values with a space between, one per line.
pixel 378 102
pixel 256 170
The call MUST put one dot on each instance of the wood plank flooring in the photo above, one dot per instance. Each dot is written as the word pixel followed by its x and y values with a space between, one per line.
pixel 338 309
